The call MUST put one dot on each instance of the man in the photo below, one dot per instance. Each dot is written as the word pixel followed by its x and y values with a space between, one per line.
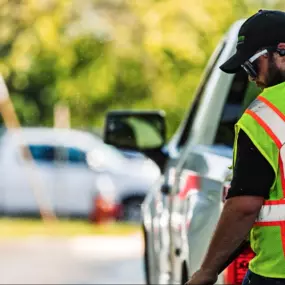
pixel 255 203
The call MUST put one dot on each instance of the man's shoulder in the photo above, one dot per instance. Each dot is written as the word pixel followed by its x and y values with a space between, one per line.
pixel 270 92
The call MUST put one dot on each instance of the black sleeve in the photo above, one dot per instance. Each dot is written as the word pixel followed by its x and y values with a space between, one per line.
pixel 252 174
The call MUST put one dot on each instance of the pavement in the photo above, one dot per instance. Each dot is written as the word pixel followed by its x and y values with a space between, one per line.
pixel 79 260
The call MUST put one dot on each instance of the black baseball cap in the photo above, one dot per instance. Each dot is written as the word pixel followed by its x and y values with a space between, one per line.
pixel 263 29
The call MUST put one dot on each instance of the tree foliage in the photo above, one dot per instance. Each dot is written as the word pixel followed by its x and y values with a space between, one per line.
pixel 100 55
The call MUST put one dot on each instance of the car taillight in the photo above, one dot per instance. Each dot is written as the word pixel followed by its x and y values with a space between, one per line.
pixel 190 182
pixel 236 271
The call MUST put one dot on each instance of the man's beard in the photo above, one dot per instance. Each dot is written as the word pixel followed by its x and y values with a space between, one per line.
pixel 275 76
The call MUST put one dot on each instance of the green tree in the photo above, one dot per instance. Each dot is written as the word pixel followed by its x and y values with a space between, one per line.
pixel 100 55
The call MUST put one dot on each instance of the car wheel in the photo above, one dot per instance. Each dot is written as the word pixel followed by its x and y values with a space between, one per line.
pixel 132 210
pixel 184 274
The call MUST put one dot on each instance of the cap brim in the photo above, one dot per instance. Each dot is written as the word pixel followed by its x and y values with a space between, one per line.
pixel 233 64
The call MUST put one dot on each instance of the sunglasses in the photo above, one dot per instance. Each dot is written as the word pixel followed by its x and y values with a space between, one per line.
pixel 251 66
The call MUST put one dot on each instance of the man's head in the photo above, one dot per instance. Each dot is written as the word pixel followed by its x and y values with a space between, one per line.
pixel 261 49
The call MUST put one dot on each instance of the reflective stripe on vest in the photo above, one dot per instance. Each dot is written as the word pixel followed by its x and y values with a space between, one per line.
pixel 272 121
pixel 272 213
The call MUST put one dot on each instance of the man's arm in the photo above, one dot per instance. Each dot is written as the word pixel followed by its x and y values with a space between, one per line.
pixel 252 178
pixel 236 221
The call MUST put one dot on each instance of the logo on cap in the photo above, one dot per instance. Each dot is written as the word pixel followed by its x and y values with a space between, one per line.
pixel 241 40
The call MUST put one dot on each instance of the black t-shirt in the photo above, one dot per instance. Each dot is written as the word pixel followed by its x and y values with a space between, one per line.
pixel 252 174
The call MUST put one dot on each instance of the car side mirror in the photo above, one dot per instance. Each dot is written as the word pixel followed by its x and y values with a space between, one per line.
pixel 136 130
pixel 142 131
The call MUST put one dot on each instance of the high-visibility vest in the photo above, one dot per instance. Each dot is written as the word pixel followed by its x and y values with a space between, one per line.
pixel 264 123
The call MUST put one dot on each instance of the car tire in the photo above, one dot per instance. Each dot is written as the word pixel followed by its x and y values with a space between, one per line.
pixel 184 274
pixel 132 210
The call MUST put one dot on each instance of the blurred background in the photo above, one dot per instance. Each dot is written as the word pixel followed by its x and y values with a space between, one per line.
pixel 73 215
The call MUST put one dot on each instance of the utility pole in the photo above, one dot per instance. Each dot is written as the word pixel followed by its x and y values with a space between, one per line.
pixel 11 122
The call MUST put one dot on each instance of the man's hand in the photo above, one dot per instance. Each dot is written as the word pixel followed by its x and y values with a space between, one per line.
pixel 203 277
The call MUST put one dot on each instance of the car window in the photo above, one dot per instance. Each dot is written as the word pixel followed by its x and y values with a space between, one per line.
pixel 187 124
pixel 70 155
pixel 42 153
pixel 74 155
pixel 241 94
pixel 52 154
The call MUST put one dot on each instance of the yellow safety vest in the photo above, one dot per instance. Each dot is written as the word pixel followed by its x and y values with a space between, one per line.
pixel 264 123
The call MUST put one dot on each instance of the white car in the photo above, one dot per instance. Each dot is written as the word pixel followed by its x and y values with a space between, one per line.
pixel 69 169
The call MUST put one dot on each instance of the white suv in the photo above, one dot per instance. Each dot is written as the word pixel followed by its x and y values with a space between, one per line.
pixel 71 168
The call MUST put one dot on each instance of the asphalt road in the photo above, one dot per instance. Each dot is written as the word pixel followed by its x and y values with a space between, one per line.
pixel 83 260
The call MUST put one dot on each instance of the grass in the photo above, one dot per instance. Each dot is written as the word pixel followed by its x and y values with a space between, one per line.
pixel 19 228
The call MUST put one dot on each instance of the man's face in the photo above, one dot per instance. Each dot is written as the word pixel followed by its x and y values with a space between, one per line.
pixel 270 69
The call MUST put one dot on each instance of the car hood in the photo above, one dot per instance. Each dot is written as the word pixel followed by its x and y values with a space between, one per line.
pixel 141 169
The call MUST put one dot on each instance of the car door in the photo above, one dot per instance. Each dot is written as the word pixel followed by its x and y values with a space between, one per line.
pixel 74 183
pixel 27 184
pixel 199 204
